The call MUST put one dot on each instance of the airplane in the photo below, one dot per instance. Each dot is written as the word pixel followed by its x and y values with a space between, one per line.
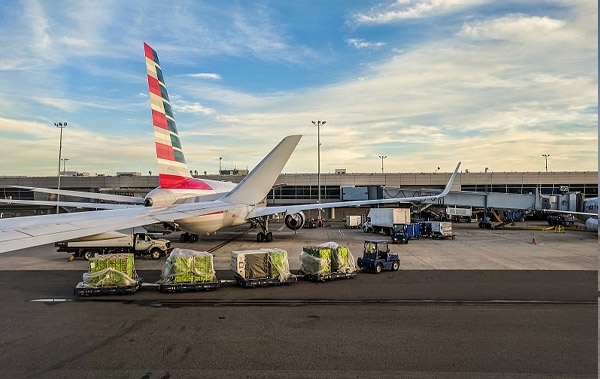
pixel 193 205
pixel 589 217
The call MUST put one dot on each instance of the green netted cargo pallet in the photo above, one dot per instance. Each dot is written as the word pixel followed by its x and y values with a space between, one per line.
pixel 188 266
pixel 120 262
pixel 340 259
pixel 111 270
pixel 316 260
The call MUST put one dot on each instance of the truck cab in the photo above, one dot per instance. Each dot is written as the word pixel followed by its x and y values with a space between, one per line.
pixel 400 234
pixel 377 257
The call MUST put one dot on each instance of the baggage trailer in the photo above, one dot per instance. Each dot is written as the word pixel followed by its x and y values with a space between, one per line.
pixel 327 261
pixel 441 230
pixel 329 276
pixel 263 282
pixel 261 268
pixel 85 290
pixel 189 287
pixel 353 222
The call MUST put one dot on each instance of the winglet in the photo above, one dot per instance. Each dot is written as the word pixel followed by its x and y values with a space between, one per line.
pixel 450 182
pixel 255 187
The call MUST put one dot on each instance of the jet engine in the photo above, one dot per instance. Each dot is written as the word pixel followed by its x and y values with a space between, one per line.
pixel 295 221
pixel 590 223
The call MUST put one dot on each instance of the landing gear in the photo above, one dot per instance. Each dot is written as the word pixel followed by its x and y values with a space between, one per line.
pixel 262 237
pixel 187 237
pixel 265 235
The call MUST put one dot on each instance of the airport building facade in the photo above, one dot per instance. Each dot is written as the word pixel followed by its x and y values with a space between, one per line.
pixel 303 188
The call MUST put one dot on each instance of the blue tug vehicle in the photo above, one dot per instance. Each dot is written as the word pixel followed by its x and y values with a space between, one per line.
pixel 377 257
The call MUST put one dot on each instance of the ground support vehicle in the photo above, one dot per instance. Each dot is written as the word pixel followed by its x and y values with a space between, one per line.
pixel 413 230
pixel 385 219
pixel 116 242
pixel 441 230
pixel 263 282
pixel 189 287
pixel 377 257
pixel 400 234
pixel 353 222
pixel 85 290
pixel 562 220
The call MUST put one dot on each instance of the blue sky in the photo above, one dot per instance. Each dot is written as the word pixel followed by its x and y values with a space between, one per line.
pixel 427 83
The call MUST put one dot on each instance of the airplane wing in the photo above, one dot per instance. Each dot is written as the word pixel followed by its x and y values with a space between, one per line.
pixel 23 232
pixel 68 204
pixel 87 195
pixel 265 211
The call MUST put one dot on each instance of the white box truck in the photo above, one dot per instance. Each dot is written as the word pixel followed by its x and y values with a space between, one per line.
pixel 116 242
pixel 386 220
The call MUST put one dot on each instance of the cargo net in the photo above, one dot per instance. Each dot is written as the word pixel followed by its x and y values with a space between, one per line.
pixel 188 266
pixel 326 258
pixel 262 264
pixel 110 270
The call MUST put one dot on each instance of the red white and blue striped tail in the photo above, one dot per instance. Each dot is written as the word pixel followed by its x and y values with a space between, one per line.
pixel 172 169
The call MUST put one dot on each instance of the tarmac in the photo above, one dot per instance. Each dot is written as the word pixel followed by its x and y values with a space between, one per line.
pixel 486 304
pixel 471 249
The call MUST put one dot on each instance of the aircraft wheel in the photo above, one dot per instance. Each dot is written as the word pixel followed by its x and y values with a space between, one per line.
pixel 260 237
pixel 269 237
pixel 194 238
pixel 184 237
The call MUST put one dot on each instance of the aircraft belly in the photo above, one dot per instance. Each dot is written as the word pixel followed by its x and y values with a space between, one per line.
pixel 210 223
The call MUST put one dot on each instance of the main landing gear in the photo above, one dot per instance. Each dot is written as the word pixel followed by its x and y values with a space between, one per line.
pixel 188 237
pixel 264 235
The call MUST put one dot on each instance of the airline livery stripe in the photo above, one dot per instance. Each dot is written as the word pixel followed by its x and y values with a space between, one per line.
pixel 165 152
pixel 159 120
pixel 150 53
pixel 179 182
pixel 154 86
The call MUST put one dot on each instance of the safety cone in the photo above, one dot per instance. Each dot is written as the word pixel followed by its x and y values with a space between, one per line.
pixel 534 241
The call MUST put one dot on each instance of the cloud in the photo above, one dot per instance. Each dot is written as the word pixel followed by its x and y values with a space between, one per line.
pixel 205 76
pixel 362 44
pixel 411 9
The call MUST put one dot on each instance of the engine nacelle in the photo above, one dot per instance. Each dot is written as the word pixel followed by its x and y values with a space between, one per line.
pixel 295 221
pixel 591 224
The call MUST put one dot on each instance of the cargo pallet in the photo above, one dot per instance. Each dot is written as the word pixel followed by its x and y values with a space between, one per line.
pixel 187 287
pixel 83 290
pixel 329 276
pixel 251 283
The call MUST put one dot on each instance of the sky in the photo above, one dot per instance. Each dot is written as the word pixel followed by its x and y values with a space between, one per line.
pixel 426 83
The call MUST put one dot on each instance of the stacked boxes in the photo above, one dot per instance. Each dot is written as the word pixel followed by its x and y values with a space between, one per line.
pixel 188 266
pixel 261 264
pixel 111 270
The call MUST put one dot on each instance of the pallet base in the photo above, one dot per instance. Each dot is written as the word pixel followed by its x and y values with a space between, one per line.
pixel 187 287
pixel 82 290
pixel 329 276
pixel 251 283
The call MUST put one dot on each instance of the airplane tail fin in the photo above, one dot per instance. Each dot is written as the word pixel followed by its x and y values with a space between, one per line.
pixel 172 168
pixel 257 184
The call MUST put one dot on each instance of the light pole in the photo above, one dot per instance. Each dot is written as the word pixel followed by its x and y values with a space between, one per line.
pixel 546 156
pixel 64 160
pixel 318 124
pixel 60 125
pixel 382 158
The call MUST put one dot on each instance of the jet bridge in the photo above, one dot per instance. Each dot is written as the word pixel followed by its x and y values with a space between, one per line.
pixel 496 200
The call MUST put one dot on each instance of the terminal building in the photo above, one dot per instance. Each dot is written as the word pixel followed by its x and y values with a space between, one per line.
pixel 304 188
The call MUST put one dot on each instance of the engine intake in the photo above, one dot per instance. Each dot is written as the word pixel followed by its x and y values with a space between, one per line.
pixel 295 221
